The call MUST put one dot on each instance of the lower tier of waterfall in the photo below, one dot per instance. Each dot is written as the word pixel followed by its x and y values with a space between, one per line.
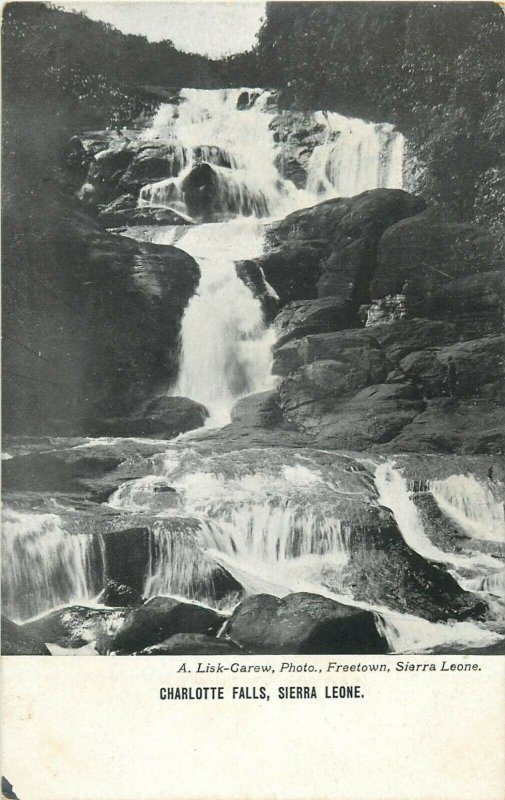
pixel 268 521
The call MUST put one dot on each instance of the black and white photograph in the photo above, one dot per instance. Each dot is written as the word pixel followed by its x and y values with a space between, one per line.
pixel 253 330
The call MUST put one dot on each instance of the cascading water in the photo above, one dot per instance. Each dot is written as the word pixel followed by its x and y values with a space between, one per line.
pixel 45 566
pixel 225 345
pixel 276 522
pixel 225 349
pixel 356 156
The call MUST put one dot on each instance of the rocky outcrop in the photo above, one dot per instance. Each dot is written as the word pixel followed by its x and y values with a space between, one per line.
pixel 118 214
pixel 161 618
pixel 119 595
pixel 438 251
pixel 253 277
pixel 303 623
pixel 163 418
pixel 105 321
pixel 16 641
pixel 77 626
pixel 383 570
pixel 305 317
pixel 437 351
pixel 330 250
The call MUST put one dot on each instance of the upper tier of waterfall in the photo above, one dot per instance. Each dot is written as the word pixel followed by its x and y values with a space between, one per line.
pixel 214 127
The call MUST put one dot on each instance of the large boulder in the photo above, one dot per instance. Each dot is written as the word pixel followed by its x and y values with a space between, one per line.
pixel 164 417
pixel 355 356
pixel 161 618
pixel 304 317
pixel 200 190
pixel 119 595
pixel 107 330
pixel 16 641
pixel 303 623
pixel 152 162
pixel 463 369
pixel 448 425
pixel 76 626
pixel 441 251
pixel 383 570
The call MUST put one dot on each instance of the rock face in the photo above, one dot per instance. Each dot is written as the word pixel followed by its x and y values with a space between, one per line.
pixel 408 379
pixel 164 417
pixel 441 251
pixel 253 276
pixel 125 167
pixel 303 623
pixel 106 325
pixel 347 231
pixel 384 571
pixel 16 641
pixel 161 618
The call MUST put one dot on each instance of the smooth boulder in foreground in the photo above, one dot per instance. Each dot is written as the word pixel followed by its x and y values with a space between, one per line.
pixel 161 618
pixel 303 623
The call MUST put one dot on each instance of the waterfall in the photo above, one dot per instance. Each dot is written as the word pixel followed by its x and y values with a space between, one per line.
pixel 472 505
pixel 45 566
pixel 238 145
pixel 486 572
pixel 356 156
pixel 226 348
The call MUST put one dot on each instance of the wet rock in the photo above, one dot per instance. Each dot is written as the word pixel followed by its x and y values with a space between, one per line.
pixel 293 269
pixel 193 644
pixel 127 558
pixel 59 470
pixel 253 276
pixel 119 595
pixel 305 317
pixel 441 251
pixel 246 100
pixel 199 189
pixel 152 162
pixel 164 417
pixel 448 425
pixel 16 641
pixel 383 570
pixel 459 370
pixel 303 623
pixel 77 626
pixel 161 618
pixel 145 215
pixel 107 168
pixel 111 329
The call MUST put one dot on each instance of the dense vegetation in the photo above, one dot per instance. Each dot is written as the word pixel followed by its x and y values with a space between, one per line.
pixel 434 69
